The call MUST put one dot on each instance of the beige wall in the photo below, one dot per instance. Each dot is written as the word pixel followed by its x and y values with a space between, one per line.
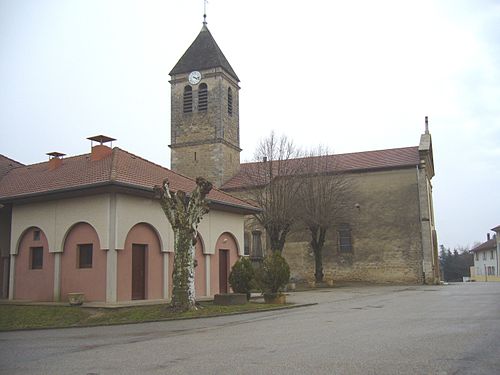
pixel 131 210
pixel 56 217
pixel 215 223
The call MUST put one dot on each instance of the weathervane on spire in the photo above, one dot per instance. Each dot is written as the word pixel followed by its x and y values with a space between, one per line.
pixel 205 11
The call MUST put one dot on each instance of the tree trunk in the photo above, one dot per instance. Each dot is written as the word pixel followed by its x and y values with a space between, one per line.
pixel 183 294
pixel 277 239
pixel 318 235
pixel 318 263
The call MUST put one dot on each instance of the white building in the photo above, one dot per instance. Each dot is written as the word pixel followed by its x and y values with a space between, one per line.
pixel 487 258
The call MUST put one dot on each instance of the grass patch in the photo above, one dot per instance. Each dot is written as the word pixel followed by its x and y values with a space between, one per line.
pixel 25 317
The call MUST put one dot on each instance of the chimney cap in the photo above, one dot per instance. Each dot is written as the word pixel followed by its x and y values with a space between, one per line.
pixel 101 139
pixel 55 154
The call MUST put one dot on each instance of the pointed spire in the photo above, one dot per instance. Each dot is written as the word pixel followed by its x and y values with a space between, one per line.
pixel 204 53
pixel 205 12
pixel 426 125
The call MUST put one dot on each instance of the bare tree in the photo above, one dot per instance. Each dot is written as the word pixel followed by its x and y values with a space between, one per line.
pixel 323 199
pixel 275 184
pixel 184 214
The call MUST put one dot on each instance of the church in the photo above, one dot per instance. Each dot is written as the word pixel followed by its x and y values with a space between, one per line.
pixel 390 232
pixel 91 223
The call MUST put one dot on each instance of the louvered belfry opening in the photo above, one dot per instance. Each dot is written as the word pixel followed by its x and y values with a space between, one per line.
pixel 203 97
pixel 188 100
pixel 230 101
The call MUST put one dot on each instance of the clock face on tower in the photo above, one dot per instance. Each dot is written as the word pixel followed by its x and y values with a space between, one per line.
pixel 194 77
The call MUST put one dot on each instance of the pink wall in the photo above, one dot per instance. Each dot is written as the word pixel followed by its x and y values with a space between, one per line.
pixel 37 285
pixel 141 234
pixel 90 281
pixel 199 271
pixel 226 241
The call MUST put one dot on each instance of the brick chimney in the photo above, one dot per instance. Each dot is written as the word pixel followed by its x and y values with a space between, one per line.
pixel 101 150
pixel 55 160
pixel 487 236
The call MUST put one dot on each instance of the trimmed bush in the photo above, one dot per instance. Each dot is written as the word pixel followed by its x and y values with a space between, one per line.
pixel 242 276
pixel 273 274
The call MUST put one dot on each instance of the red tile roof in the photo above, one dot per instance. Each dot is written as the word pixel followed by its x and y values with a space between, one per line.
pixel 6 164
pixel 358 161
pixel 77 172
pixel 491 244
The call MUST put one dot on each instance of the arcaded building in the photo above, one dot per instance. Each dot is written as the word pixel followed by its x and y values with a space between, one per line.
pixel 91 224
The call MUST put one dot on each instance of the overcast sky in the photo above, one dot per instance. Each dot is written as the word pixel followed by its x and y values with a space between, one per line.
pixel 351 75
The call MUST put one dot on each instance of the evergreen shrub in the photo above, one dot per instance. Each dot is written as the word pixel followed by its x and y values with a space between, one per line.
pixel 242 276
pixel 273 274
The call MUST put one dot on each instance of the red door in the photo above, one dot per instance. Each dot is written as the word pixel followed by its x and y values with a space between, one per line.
pixel 138 271
pixel 223 270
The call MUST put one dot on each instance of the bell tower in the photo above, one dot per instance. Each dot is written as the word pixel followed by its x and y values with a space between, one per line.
pixel 205 113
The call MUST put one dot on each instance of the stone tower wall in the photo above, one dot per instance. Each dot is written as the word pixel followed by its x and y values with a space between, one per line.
pixel 206 143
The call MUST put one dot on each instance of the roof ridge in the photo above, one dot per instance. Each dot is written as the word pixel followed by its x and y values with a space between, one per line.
pixel 10 159
pixel 343 154
pixel 47 161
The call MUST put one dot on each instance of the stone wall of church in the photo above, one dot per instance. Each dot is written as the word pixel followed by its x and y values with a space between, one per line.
pixel 385 234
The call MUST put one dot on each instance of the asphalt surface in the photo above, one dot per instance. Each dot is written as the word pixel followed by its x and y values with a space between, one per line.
pixel 451 329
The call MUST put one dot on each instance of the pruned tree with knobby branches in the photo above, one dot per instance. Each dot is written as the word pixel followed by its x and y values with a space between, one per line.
pixel 324 197
pixel 275 181
pixel 184 214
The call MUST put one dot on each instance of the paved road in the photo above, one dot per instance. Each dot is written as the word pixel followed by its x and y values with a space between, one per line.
pixel 453 329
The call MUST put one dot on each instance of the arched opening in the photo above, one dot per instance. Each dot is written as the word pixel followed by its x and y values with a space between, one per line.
pixel 203 97
pixel 34 267
pixel 187 104
pixel 226 254
pixel 140 265
pixel 83 264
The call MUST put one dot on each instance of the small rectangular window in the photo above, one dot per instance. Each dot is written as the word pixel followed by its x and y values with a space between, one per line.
pixel 36 261
pixel 492 254
pixel 344 239
pixel 36 235
pixel 484 255
pixel 85 256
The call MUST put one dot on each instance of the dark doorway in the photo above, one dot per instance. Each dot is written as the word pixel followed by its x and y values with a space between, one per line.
pixel 223 270
pixel 138 271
